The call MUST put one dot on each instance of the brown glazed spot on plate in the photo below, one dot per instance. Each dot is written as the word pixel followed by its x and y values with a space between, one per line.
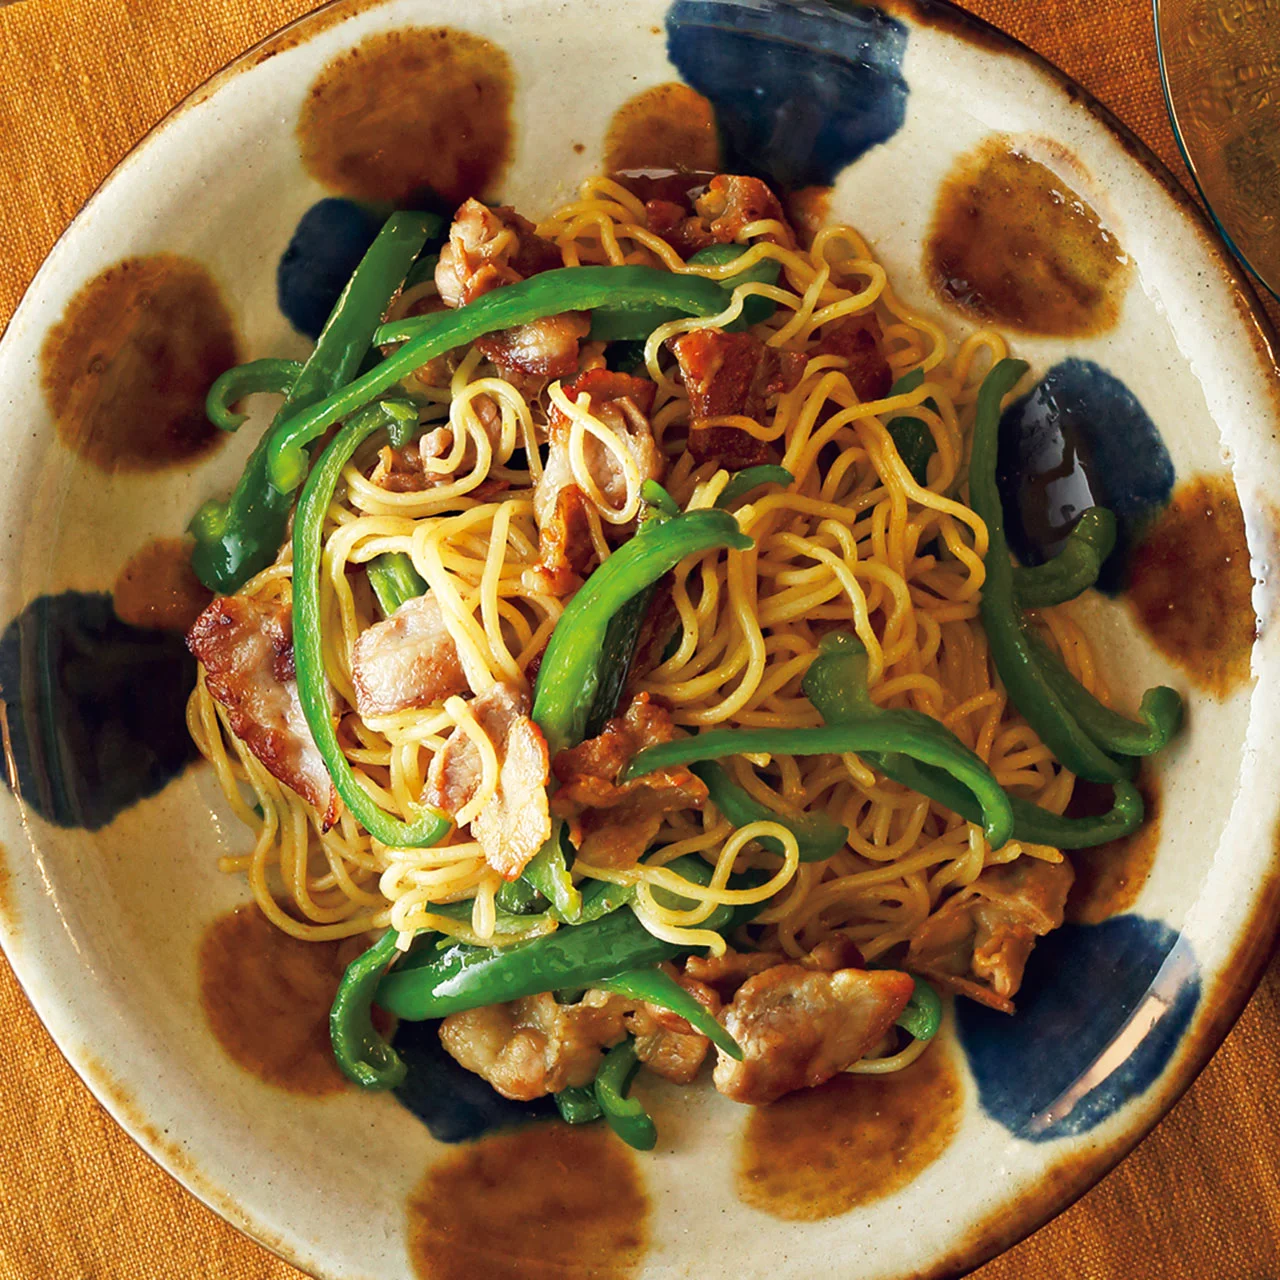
pixel 266 996
pixel 1191 586
pixel 545 1200
pixel 817 1153
pixel 126 370
pixel 411 114
pixel 1110 876
pixel 667 127
pixel 159 589
pixel 1014 244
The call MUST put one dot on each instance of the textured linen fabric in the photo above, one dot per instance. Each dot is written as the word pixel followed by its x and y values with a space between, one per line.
pixel 82 81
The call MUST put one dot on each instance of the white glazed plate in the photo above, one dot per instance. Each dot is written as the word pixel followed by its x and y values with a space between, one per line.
pixel 111 874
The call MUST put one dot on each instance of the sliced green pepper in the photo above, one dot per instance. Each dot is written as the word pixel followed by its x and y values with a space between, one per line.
pixel 257 376
pixel 308 645
pixel 578 1105
pixel 1074 569
pixel 239 537
pixel 394 581
pixel 519 897
pixel 862 727
pixel 364 1056
pixel 818 836
pixel 599 898
pixel 427 985
pixel 755 309
pixel 624 1115
pixel 836 685
pixel 569 677
pixel 548 873
pixel 923 1015
pixel 658 988
pixel 742 482
pixel 914 441
pixel 1035 687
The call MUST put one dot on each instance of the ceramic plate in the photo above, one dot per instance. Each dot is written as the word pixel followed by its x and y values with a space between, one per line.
pixel 992 189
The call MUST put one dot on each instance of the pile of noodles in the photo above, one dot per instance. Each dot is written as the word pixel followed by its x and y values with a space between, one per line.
pixel 855 543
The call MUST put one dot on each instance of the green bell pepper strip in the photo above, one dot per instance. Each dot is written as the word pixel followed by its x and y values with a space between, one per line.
pixel 519 897
pixel 423 269
pixel 836 684
pixel 1033 686
pixel 913 440
pixel 569 677
pixel 1032 823
pixel 257 376
pixel 509 927
pixel 548 873
pixel 818 836
pixel 239 537
pixel 363 1055
pixel 394 580
pixel 1074 569
pixel 627 321
pixel 755 309
pixel 308 653
pixel 1161 709
pixel 599 898
pixel 923 1015
pixel 742 482
pixel 618 649
pixel 658 988
pixel 578 1105
pixel 659 499
pixel 625 1116
pixel 433 985
pixel 861 727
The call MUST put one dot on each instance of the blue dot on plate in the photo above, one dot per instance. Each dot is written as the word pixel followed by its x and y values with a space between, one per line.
pixel 96 708
pixel 454 1104
pixel 1080 438
pixel 800 89
pixel 325 249
pixel 1100 1013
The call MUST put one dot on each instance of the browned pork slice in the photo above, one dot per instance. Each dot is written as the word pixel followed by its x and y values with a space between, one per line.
pixel 547 348
pixel 408 660
pixel 534 1046
pixel 622 404
pixel 246 649
pixel 858 341
pixel 613 823
pixel 516 821
pixel 731 373
pixel 404 470
pixel 667 1044
pixel 979 941
pixel 730 203
pixel 798 1027
pixel 566 552
pixel 489 248
pixel 725 974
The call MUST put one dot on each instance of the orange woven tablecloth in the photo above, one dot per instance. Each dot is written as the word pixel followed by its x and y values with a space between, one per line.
pixel 82 80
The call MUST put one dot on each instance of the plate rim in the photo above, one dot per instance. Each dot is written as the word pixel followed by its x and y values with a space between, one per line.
pixel 1259 937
